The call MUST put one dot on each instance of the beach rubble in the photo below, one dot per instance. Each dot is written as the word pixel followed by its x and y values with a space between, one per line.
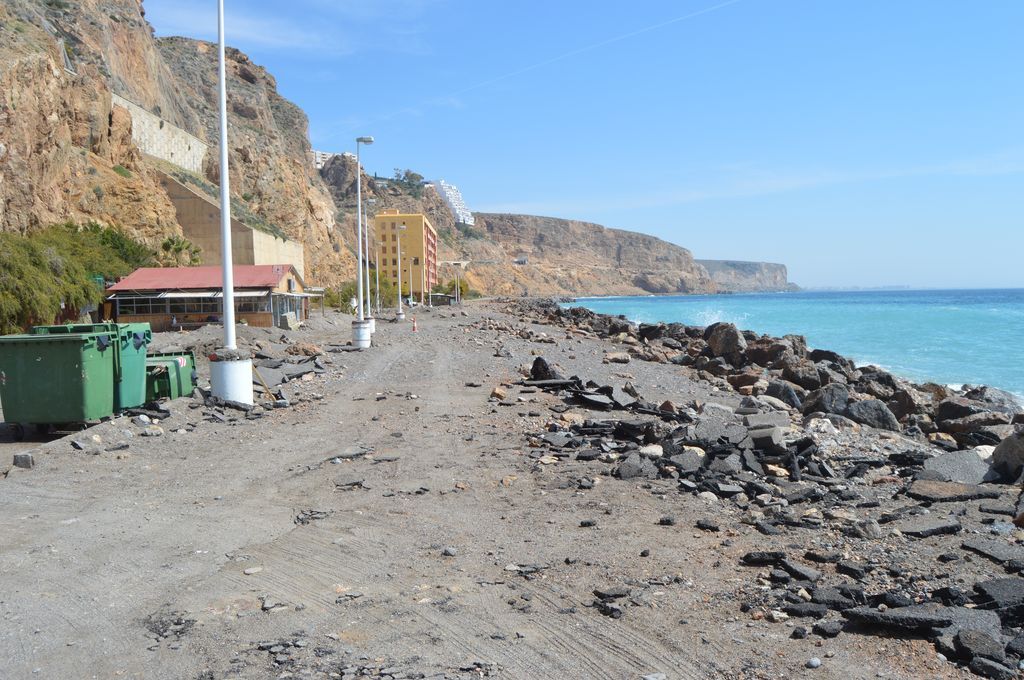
pixel 798 459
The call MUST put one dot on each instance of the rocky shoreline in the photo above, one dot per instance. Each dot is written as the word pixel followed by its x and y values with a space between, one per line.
pixel 886 507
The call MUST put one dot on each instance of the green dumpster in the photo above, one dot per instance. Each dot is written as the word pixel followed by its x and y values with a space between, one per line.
pixel 58 378
pixel 130 357
pixel 170 375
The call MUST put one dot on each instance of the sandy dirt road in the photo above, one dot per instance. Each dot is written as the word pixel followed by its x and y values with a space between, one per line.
pixel 273 548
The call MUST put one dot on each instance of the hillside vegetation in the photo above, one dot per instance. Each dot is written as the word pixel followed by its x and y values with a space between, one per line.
pixel 50 273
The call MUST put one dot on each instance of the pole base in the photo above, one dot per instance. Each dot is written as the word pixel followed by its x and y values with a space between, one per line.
pixel 373 324
pixel 400 316
pixel 231 380
pixel 361 334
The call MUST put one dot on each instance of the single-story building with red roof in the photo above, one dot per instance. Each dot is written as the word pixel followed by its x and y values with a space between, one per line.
pixel 173 298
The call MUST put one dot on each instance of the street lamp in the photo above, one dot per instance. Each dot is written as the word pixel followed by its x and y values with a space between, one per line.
pixel 376 251
pixel 231 374
pixel 400 316
pixel 360 326
pixel 366 243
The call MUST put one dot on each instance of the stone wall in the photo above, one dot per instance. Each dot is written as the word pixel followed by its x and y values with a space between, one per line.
pixel 156 137
pixel 199 218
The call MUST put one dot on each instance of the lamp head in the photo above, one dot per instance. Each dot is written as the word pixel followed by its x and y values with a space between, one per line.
pixel 364 140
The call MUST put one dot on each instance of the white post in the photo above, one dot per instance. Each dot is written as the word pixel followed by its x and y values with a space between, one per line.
pixel 400 315
pixel 366 241
pixel 359 235
pixel 376 252
pixel 230 375
pixel 225 193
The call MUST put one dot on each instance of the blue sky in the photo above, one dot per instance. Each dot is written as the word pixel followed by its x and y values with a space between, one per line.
pixel 868 143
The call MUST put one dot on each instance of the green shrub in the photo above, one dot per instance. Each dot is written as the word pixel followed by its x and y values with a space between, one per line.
pixel 56 266
pixel 123 171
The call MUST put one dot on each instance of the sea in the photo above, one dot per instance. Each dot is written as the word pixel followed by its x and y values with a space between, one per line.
pixel 952 337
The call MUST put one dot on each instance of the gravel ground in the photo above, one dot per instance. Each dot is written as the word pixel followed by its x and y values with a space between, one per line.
pixel 391 522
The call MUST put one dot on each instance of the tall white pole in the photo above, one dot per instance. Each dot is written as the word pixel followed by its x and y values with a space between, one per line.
pixel 400 314
pixel 366 241
pixel 225 193
pixel 359 233
pixel 376 254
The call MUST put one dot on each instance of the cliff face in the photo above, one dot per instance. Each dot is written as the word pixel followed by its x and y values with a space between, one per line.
pixel 60 137
pixel 270 158
pixel 564 257
pixel 66 152
pixel 735 276
pixel 340 176
pixel 581 258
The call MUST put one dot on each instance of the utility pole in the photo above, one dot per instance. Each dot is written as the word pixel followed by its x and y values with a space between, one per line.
pixel 230 375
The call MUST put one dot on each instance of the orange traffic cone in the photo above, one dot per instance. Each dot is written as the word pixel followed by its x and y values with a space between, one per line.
pixel 414 328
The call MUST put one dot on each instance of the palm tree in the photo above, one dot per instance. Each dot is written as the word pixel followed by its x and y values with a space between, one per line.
pixel 178 251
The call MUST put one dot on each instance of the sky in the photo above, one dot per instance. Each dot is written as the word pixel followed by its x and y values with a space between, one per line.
pixel 861 143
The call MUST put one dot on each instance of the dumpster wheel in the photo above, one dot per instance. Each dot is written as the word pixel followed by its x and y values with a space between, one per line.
pixel 18 432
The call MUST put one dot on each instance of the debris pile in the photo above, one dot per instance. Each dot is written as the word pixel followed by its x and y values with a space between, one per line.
pixel 893 528
pixel 808 380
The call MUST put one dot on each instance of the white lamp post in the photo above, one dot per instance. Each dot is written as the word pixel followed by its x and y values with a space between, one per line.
pixel 400 316
pixel 366 269
pixel 231 376
pixel 376 253
pixel 360 327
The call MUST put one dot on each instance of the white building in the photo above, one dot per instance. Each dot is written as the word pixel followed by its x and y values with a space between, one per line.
pixel 453 197
pixel 320 158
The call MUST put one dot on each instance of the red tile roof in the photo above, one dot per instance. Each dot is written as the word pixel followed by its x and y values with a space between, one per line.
pixel 195 278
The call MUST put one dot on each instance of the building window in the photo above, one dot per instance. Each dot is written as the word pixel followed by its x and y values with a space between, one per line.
pixel 415 260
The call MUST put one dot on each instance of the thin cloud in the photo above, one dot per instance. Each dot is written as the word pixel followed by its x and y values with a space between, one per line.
pixel 247 28
pixel 417 110
pixel 763 183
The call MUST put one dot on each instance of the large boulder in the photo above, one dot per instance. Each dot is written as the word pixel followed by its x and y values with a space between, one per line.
pixel 650 331
pixel 873 413
pixel 1008 458
pixel 958 407
pixel 785 392
pixel 725 340
pixel 831 398
pixel 975 422
pixel 767 351
pixel 802 372
pixel 819 355
pixel 542 370
pixel 996 399
pixel 908 401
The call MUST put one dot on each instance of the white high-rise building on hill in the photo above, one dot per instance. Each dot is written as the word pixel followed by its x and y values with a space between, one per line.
pixel 453 197
pixel 320 158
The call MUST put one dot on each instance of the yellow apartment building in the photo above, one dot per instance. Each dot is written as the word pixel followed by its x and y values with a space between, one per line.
pixel 419 251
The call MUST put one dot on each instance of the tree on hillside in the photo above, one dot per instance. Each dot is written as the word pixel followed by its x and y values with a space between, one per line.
pixel 411 181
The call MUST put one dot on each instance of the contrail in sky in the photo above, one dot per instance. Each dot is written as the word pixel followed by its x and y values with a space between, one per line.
pixel 413 110
pixel 588 48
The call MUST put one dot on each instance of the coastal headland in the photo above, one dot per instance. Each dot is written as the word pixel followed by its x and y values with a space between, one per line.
pixel 520 491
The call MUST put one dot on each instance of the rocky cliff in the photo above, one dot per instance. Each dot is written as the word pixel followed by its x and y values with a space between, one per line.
pixel 66 151
pixel 270 154
pixel 582 258
pixel 563 257
pixel 736 276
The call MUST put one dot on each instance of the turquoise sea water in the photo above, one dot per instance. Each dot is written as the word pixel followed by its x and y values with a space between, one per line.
pixel 946 336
